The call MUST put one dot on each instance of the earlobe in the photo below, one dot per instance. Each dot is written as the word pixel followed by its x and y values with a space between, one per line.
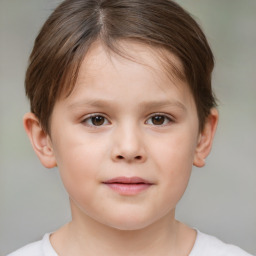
pixel 40 140
pixel 205 139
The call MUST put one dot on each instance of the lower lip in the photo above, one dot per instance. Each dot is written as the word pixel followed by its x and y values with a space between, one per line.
pixel 128 189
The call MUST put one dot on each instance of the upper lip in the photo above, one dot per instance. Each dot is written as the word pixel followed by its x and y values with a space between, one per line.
pixel 127 180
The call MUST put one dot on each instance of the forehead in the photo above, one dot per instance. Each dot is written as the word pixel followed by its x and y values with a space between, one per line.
pixel 160 63
pixel 134 69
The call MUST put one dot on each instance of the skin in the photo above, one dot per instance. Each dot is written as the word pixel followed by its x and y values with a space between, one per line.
pixel 149 129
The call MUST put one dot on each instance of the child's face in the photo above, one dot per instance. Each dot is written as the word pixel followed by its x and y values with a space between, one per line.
pixel 125 120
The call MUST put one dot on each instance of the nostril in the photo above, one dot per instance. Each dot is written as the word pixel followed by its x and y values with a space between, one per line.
pixel 120 157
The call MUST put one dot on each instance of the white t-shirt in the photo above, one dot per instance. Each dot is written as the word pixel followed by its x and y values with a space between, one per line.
pixel 205 245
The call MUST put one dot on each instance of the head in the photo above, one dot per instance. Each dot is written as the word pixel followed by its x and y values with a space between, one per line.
pixel 121 101
pixel 75 25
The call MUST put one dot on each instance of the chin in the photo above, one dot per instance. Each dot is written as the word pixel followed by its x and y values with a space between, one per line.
pixel 130 223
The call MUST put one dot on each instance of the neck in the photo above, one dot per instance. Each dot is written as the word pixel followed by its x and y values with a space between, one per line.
pixel 85 236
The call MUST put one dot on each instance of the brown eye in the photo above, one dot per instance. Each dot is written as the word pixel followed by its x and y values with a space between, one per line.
pixel 98 120
pixel 158 120
pixel 95 120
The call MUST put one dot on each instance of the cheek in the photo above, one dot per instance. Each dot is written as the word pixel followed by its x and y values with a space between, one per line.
pixel 76 151
pixel 174 159
pixel 175 152
pixel 78 164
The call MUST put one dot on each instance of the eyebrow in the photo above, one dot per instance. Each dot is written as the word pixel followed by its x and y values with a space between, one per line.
pixel 100 103
pixel 162 104
pixel 91 103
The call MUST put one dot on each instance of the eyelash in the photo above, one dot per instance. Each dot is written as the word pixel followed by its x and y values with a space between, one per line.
pixel 104 121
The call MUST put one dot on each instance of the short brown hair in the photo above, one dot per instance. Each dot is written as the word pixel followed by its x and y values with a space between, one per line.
pixel 75 24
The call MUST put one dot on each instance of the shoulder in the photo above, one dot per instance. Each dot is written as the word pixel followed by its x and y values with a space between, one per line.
pixel 39 248
pixel 34 249
pixel 206 245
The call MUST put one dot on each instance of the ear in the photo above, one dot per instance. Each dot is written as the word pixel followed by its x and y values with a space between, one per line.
pixel 40 140
pixel 205 138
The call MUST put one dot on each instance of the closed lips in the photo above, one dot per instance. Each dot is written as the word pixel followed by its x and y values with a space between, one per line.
pixel 128 186
pixel 127 180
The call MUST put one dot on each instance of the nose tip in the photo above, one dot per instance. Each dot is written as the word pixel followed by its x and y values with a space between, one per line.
pixel 128 144
pixel 128 152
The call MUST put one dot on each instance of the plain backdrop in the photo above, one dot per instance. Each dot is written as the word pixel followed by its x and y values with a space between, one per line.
pixel 220 199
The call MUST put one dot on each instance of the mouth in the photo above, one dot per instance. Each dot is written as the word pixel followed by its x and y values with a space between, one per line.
pixel 128 185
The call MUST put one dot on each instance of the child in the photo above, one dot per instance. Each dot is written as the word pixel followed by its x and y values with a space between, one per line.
pixel 121 102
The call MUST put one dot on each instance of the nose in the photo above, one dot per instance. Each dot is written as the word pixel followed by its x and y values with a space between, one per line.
pixel 128 145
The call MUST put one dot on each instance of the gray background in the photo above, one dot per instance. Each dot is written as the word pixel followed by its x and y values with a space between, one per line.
pixel 220 199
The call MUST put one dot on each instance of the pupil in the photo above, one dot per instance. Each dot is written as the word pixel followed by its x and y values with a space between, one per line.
pixel 158 120
pixel 98 120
